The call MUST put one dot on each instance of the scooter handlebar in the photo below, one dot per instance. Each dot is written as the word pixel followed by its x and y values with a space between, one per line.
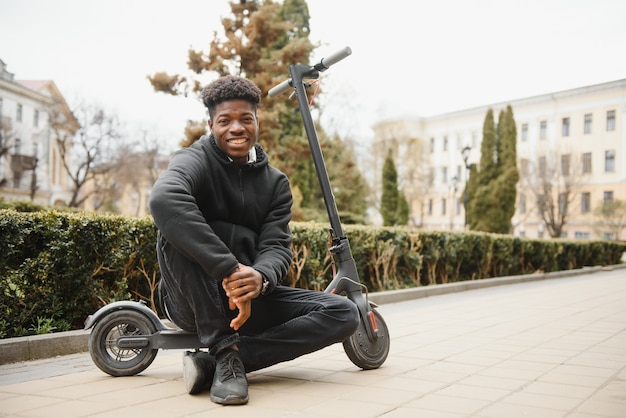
pixel 279 88
pixel 335 57
pixel 323 65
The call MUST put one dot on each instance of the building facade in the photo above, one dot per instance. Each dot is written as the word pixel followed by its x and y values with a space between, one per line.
pixel 33 115
pixel 573 142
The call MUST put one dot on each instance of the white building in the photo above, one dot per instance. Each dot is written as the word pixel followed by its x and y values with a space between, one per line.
pixel 33 114
pixel 579 135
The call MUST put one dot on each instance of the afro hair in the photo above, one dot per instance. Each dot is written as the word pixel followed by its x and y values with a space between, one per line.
pixel 230 88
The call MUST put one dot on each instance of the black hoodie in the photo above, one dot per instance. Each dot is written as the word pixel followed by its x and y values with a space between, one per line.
pixel 218 213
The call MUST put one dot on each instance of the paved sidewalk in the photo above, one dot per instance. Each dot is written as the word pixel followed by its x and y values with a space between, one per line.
pixel 549 348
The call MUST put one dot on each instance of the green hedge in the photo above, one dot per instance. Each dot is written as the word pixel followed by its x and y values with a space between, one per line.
pixel 58 267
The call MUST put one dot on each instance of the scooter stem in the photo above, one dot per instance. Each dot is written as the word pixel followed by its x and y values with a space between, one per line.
pixel 298 74
pixel 341 246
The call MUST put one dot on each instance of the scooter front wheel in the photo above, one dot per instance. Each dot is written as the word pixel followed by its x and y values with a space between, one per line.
pixel 366 353
pixel 115 360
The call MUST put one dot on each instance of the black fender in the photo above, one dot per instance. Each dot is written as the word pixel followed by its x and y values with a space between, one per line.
pixel 129 305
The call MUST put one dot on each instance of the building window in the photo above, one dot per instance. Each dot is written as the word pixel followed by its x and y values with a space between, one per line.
pixel 36 118
pixel 587 126
pixel 587 163
pixel 443 206
pixel 585 202
pixel 607 197
pixel 458 206
pixel 445 143
pixel 565 165
pixel 432 145
pixel 431 176
pixel 562 202
pixel 543 129
pixel 430 206
pixel 565 127
pixel 524 132
pixel 610 120
pixel 582 235
pixel 543 167
pixel 444 174
pixel 609 161
pixel 524 165
pixel 541 203
pixel 521 207
pixel 18 114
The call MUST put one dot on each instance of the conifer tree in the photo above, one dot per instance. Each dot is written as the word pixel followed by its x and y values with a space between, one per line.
pixel 389 197
pixel 505 187
pixel 481 198
pixel 394 207
pixel 403 209
pixel 493 187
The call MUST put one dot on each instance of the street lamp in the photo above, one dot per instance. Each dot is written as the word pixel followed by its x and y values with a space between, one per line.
pixel 465 152
pixel 454 187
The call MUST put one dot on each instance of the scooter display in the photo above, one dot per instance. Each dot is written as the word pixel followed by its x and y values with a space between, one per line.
pixel 126 335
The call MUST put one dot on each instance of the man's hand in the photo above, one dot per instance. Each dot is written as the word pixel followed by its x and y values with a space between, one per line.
pixel 241 286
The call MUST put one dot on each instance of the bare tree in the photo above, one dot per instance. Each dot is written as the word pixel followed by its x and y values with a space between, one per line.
pixel 137 169
pixel 90 150
pixel 121 184
pixel 7 133
pixel 553 179
pixel 414 169
pixel 611 218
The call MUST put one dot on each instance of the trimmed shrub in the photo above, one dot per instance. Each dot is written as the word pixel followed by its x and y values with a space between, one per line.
pixel 58 267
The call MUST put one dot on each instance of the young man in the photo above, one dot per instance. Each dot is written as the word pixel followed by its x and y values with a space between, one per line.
pixel 224 244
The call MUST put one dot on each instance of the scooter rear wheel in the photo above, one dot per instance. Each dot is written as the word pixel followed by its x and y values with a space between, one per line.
pixel 108 356
pixel 362 351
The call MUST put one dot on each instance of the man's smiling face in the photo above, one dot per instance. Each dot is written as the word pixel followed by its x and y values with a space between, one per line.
pixel 235 128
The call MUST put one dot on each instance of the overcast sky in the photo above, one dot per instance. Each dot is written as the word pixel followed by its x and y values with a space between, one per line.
pixel 410 57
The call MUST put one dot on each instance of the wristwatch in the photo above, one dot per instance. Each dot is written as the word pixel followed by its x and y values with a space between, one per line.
pixel 265 286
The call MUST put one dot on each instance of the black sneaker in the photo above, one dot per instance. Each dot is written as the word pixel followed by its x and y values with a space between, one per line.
pixel 198 371
pixel 230 385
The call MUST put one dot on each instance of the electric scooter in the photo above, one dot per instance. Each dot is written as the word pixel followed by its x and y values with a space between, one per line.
pixel 126 335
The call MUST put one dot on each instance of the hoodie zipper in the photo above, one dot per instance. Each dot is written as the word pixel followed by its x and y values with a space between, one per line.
pixel 243 201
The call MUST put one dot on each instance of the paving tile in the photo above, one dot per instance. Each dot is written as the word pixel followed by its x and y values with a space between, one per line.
pixel 494 382
pixel 512 372
pixel 613 392
pixel 511 410
pixel 417 386
pixel 381 395
pixel 442 376
pixel 22 403
pixel 473 392
pixel 408 412
pixel 70 409
pixel 602 408
pixel 556 389
pixel 561 403
pixel 346 407
pixel 556 376
pixel 452 404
